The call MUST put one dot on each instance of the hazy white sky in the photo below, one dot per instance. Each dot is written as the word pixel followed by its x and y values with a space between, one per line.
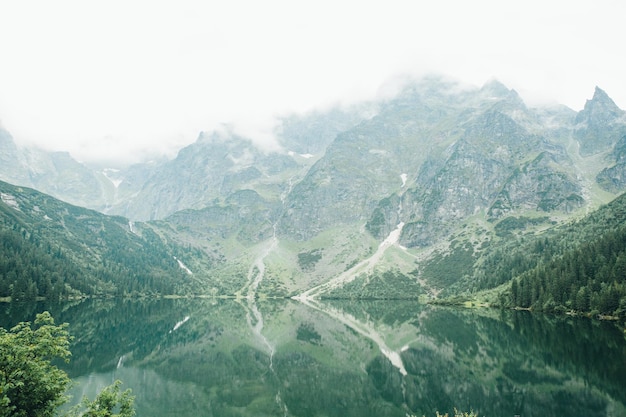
pixel 116 77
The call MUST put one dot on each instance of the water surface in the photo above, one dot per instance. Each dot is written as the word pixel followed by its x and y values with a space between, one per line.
pixel 377 358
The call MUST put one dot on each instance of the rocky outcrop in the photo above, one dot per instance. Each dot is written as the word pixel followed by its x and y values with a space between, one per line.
pixel 496 167
pixel 613 178
pixel 369 163
pixel 537 186
pixel 244 214
pixel 462 154
pixel 55 173
pixel 599 125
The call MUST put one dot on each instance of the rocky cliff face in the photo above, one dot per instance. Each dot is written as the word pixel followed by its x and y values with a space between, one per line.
pixel 496 168
pixel 613 178
pixel 55 173
pixel 537 186
pixel 599 125
pixel 434 160
pixel 221 163
pixel 370 162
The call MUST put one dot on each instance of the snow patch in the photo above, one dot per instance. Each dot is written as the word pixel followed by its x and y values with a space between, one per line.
pixel 183 266
pixel 365 266
pixel 115 181
pixel 393 237
pixel 180 323
pixel 10 201
pixel 301 155
pixel 403 177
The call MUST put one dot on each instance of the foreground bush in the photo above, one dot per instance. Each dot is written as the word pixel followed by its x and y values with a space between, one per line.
pixel 31 386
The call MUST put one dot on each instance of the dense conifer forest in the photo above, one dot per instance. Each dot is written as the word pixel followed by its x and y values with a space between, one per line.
pixel 591 278
pixel 55 250
pixel 580 267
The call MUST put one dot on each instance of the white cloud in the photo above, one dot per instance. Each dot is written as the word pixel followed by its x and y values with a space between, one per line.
pixel 118 77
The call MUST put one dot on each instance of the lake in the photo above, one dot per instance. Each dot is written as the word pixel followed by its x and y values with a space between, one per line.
pixel 206 357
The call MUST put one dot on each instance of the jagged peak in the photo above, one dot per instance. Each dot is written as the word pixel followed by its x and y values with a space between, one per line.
pixel 600 106
pixel 600 94
pixel 496 88
pixel 601 99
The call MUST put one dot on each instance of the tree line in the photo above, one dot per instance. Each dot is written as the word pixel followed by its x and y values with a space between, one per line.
pixel 33 264
pixel 579 266
pixel 591 278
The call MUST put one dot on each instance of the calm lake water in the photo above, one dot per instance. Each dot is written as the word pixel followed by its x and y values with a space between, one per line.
pixel 377 358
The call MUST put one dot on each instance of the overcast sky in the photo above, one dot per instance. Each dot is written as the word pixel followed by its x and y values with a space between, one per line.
pixel 118 77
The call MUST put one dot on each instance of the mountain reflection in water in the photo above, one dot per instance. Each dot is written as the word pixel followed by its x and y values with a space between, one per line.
pixel 348 358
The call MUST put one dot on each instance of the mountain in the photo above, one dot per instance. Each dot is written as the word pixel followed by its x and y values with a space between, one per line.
pixel 441 158
pixel 53 249
pixel 416 188
pixel 54 173
pixel 600 124
pixel 221 163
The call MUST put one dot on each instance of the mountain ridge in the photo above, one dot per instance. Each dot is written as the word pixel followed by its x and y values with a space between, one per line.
pixel 451 170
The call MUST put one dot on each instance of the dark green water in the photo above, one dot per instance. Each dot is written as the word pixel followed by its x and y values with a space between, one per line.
pixel 206 358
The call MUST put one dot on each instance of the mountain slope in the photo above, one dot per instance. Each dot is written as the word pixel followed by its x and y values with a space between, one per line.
pixel 577 266
pixel 54 173
pixel 453 172
pixel 221 163
pixel 54 249
pixel 492 164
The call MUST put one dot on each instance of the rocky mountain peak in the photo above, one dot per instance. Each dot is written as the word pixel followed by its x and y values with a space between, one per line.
pixel 600 96
pixel 601 108
pixel 495 88
pixel 600 124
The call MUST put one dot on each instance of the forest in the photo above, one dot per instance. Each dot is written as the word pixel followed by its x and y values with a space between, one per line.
pixel 579 267
pixel 591 278
pixel 55 250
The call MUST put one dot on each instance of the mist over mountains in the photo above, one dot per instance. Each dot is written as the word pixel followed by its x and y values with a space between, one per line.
pixel 439 165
